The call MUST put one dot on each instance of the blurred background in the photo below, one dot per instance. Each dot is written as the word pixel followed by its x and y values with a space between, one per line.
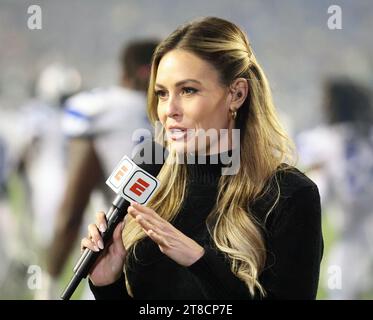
pixel 321 78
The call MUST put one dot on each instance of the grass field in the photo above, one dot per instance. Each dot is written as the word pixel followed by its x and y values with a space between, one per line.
pixel 15 284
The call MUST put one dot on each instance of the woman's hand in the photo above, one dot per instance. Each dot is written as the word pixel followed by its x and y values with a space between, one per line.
pixel 109 265
pixel 173 243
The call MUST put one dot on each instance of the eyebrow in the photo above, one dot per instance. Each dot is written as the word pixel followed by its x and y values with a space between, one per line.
pixel 179 83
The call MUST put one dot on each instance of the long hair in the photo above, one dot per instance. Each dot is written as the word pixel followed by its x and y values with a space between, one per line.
pixel 263 147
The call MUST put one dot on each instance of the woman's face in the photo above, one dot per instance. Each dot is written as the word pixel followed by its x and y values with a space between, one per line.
pixel 190 99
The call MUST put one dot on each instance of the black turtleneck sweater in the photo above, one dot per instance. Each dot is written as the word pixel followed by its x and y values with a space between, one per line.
pixel 292 236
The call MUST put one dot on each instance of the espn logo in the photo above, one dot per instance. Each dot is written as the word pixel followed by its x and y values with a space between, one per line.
pixel 132 182
pixel 120 173
pixel 140 187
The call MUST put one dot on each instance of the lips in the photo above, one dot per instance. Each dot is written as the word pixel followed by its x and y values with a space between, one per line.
pixel 176 133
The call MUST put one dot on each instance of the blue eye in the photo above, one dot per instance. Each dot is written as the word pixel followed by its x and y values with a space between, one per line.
pixel 188 90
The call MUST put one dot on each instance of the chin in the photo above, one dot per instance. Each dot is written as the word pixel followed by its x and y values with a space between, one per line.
pixel 181 147
pixel 178 146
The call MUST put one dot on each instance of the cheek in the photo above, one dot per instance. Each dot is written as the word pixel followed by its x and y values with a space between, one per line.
pixel 161 112
pixel 211 115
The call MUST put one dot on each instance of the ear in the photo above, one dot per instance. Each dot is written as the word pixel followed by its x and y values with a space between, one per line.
pixel 239 90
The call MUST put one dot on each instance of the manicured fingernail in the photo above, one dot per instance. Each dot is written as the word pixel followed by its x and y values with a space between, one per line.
pixel 102 227
pixel 100 244
pixel 139 217
pixel 95 248
pixel 134 204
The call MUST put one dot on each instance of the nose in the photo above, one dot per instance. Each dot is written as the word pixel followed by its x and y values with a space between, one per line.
pixel 173 108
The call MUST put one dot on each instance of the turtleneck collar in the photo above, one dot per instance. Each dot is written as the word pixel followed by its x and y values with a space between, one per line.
pixel 207 169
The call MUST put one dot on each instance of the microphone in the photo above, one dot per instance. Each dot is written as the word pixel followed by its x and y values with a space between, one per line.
pixel 131 183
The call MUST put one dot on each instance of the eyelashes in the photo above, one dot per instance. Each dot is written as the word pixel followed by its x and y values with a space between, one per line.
pixel 160 93
pixel 189 90
pixel 186 91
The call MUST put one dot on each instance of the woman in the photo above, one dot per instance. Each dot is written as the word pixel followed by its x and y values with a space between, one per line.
pixel 249 235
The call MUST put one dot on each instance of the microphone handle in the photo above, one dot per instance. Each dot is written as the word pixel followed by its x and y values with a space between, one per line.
pixel 89 257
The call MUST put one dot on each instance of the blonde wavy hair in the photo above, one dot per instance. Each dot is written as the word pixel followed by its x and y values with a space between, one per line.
pixel 264 146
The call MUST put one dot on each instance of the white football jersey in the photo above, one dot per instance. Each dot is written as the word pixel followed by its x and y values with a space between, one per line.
pixel 115 117
pixel 346 173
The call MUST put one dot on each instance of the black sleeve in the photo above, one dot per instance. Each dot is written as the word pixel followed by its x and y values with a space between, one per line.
pixel 216 279
pixel 295 249
pixel 114 291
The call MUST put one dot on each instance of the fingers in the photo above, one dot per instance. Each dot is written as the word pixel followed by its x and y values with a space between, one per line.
pixel 153 225
pixel 160 240
pixel 158 222
pixel 146 210
pixel 94 230
pixel 101 221
pixel 146 225
pixel 87 243
pixel 95 236
pixel 117 234
pixel 153 232
pixel 149 225
pixel 117 245
pixel 94 240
